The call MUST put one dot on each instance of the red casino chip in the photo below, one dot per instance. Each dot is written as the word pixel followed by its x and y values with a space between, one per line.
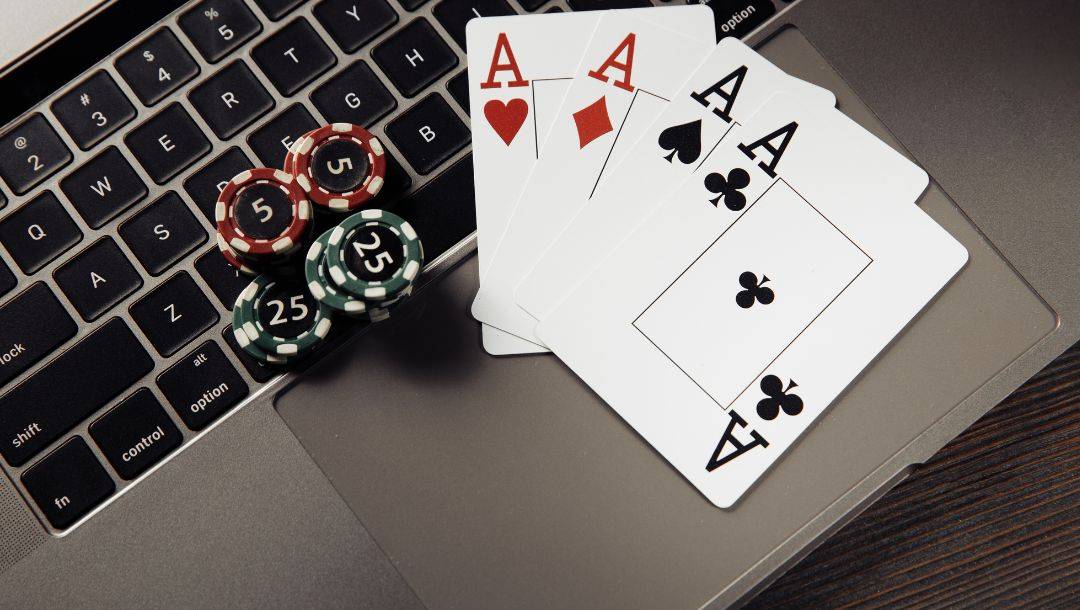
pixel 340 166
pixel 263 212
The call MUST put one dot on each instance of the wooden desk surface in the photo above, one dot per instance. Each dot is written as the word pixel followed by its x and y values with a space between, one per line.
pixel 992 520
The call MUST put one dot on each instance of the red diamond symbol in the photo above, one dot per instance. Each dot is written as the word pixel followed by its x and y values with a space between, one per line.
pixel 592 122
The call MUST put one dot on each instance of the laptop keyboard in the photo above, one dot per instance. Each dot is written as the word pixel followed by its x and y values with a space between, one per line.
pixel 114 302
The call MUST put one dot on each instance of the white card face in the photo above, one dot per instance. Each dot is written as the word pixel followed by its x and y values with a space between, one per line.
pixel 631 67
pixel 719 368
pixel 729 87
pixel 516 86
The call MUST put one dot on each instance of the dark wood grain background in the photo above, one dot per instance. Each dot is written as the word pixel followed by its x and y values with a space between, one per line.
pixel 993 520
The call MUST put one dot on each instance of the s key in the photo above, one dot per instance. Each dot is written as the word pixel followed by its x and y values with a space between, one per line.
pixel 31 153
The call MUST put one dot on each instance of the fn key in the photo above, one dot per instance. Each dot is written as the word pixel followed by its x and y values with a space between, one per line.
pixel 68 483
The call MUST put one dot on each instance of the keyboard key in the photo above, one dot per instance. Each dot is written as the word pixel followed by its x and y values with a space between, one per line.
pixel 32 325
pixel 258 371
pixel 231 100
pixel 354 23
pixel 739 17
pixel 217 27
pixel 223 279
pixel 454 14
pixel 397 182
pixel 442 211
pixel 202 386
pixel 103 187
pixel 414 57
pixel 156 67
pixel 163 233
pixel 411 5
pixel 600 5
pixel 293 56
pixel 459 90
pixel 354 96
pixel 38 232
pixel 168 143
pixel 135 434
pixel 174 314
pixel 7 279
pixel 531 5
pixel 94 109
pixel 31 153
pixel 97 279
pixel 68 483
pixel 271 141
pixel 276 9
pixel 428 133
pixel 65 391
pixel 205 185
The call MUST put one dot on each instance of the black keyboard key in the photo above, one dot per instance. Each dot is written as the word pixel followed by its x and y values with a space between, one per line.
pixel 293 56
pixel 531 5
pixel 354 96
pixel 354 23
pixel 156 67
pixel 205 185
pixel 135 434
pixel 103 187
pixel 231 100
pixel 168 143
pixel 258 371
pixel 217 27
pixel 454 14
pixel 459 90
pixel 276 9
pixel 174 314
pixel 94 109
pixel 7 279
pixel 97 279
pixel 202 386
pixel 428 133
pixel 163 233
pixel 223 279
pixel 38 232
pixel 412 5
pixel 69 388
pixel 68 483
pixel 739 17
pixel 271 141
pixel 443 211
pixel 600 5
pixel 414 57
pixel 32 325
pixel 31 153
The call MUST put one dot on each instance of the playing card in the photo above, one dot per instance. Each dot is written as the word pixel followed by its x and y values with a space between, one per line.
pixel 732 83
pixel 516 85
pixel 629 70
pixel 740 309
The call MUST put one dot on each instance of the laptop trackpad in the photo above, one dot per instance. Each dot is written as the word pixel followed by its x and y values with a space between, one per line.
pixel 486 480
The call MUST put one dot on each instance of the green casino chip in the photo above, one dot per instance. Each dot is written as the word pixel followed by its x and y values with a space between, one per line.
pixel 374 255
pixel 281 317
pixel 331 295
pixel 248 345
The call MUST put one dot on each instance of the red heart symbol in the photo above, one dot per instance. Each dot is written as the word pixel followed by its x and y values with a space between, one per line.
pixel 506 117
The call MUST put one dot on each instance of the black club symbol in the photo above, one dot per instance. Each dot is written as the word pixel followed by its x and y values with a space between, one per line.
pixel 777 398
pixel 728 188
pixel 755 291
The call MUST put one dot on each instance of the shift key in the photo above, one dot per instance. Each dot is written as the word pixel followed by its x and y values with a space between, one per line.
pixel 32 325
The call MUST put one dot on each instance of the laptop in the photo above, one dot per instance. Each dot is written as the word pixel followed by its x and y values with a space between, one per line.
pixel 149 462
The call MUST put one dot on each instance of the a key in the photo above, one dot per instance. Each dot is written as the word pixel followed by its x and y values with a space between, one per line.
pixel 428 133
pixel 231 100
pixel 163 233
pixel 354 23
pixel 414 57
pixel 38 232
pixel 354 96
pixel 411 5
pixel 276 9
pixel 168 143
pixel 31 153
pixel 135 434
pixel 7 279
pixel 173 314
pixel 258 371
pixel 68 483
pixel 599 5
pixel 94 109
pixel 454 14
pixel 443 210
pixel 69 388
pixel 293 57
pixel 224 280
pixel 202 386
pixel 156 67
pixel 97 279
pixel 217 27
pixel 271 141
pixel 32 325
pixel 103 187
pixel 205 185
pixel 459 90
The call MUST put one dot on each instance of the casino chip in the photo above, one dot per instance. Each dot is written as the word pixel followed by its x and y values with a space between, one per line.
pixel 326 292
pixel 340 166
pixel 262 212
pixel 374 255
pixel 280 317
